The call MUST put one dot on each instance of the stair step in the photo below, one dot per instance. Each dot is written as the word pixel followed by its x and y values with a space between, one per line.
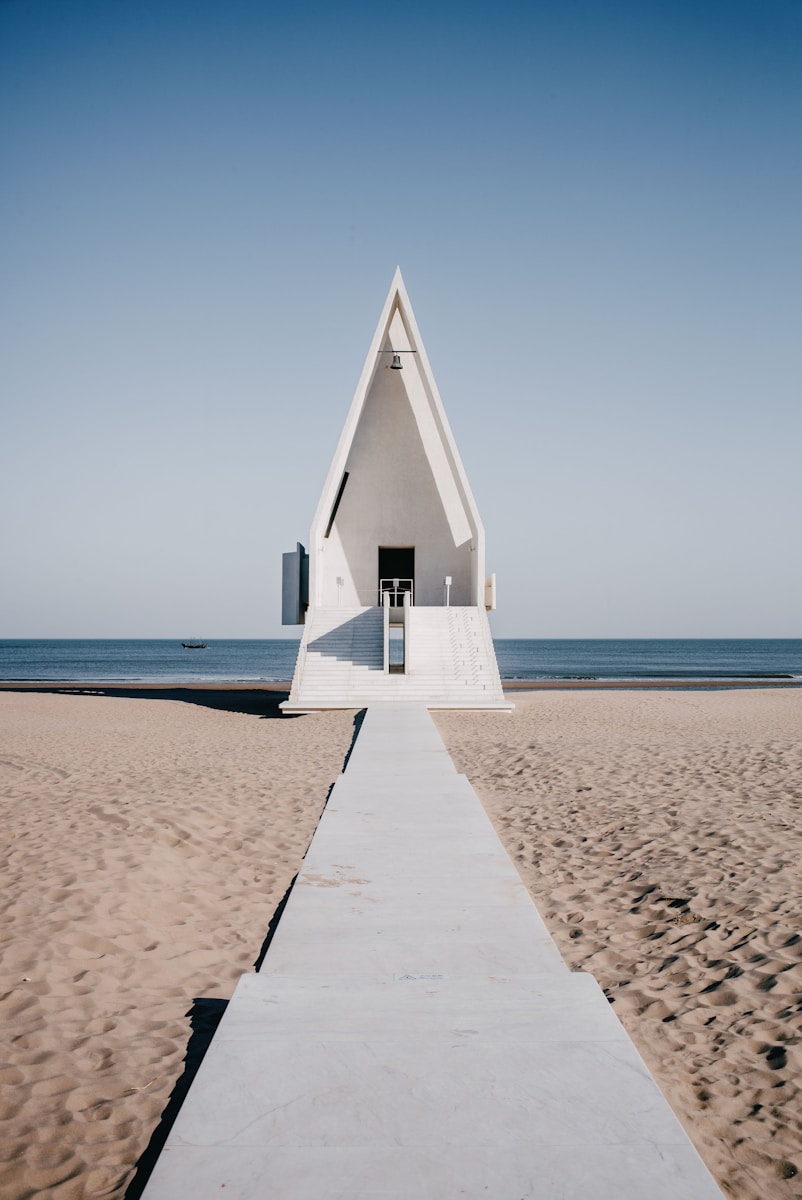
pixel 449 657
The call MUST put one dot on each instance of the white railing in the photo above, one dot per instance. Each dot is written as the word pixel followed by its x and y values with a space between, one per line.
pixel 300 662
pixel 407 623
pixel 386 619
pixel 396 589
pixel 490 649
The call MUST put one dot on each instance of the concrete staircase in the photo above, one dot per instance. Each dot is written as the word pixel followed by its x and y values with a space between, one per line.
pixel 341 656
pixel 450 661
pixel 450 658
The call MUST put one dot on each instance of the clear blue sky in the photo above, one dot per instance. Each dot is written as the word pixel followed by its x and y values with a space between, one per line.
pixel 596 208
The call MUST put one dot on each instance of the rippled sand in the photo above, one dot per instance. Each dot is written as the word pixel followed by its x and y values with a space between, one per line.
pixel 148 843
pixel 661 837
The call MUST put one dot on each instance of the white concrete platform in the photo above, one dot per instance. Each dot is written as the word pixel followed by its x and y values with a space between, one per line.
pixel 451 662
pixel 414 1033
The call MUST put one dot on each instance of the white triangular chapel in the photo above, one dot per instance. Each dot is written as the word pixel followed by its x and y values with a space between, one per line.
pixel 393 591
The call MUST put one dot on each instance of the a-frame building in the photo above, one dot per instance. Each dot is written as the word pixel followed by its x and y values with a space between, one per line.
pixel 393 592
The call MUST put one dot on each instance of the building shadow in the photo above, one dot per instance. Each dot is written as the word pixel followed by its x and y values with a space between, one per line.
pixel 256 702
pixel 358 640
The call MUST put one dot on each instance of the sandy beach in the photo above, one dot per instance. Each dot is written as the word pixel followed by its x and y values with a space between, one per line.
pixel 660 835
pixel 151 837
pixel 149 842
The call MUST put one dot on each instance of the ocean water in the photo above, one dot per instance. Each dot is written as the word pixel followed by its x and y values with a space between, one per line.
pixel 236 660
pixel 142 660
pixel 670 658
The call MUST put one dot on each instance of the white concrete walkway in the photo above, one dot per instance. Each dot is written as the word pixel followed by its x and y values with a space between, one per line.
pixel 414 1033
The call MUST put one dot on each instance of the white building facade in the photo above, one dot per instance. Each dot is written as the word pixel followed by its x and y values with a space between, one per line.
pixel 396 549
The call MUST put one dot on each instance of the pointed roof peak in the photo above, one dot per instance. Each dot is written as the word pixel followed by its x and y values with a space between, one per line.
pixel 398 300
pixel 397 332
pixel 398 284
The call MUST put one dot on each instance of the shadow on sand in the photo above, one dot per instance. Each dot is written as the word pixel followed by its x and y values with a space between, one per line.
pixel 205 1014
pixel 257 702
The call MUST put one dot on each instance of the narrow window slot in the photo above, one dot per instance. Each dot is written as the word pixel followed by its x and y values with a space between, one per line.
pixel 336 504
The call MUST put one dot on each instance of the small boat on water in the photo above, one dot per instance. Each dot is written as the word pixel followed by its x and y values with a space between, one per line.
pixel 194 645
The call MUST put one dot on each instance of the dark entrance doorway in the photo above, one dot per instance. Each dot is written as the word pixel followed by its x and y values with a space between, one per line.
pixel 396 572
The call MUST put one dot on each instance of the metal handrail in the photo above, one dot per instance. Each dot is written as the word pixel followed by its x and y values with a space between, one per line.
pixel 395 588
